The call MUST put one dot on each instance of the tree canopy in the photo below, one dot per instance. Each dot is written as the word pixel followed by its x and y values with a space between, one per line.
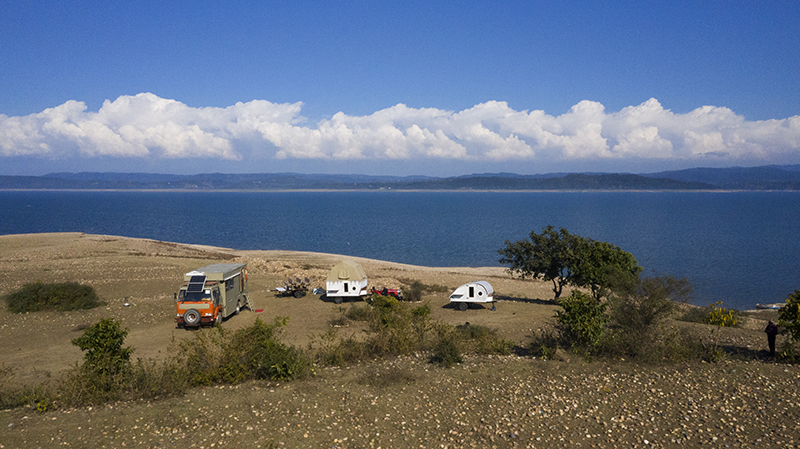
pixel 566 259
pixel 789 316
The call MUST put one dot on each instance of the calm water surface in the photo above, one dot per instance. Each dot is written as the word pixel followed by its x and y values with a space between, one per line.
pixel 742 248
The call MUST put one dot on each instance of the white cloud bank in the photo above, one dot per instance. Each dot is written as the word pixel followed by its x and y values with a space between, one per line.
pixel 147 126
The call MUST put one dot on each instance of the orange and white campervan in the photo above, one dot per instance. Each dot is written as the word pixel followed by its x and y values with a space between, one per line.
pixel 211 293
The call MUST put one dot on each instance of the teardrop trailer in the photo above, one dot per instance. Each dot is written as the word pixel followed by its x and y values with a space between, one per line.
pixel 211 293
pixel 477 292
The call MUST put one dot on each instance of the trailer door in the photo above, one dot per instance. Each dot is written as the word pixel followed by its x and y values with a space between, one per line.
pixel 471 291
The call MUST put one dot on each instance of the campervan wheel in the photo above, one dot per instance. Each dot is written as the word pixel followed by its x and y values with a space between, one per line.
pixel 192 317
pixel 462 306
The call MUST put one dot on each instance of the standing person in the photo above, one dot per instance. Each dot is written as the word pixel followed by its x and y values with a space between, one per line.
pixel 772 331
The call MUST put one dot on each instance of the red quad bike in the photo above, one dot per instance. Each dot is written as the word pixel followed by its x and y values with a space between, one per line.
pixel 390 292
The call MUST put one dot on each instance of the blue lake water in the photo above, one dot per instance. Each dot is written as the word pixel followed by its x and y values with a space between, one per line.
pixel 742 248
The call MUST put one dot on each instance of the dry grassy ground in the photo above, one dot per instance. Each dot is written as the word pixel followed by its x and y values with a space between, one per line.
pixel 485 402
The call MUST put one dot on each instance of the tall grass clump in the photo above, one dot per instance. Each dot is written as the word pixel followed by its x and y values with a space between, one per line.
pixel 415 291
pixel 396 328
pixel 639 327
pixel 38 296
pixel 451 342
pixel 697 315
pixel 483 340
pixel 416 288
pixel 358 313
pixel 333 350
pixel 37 397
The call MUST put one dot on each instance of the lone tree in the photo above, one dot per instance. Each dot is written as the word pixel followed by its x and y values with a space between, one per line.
pixel 566 259
pixel 603 267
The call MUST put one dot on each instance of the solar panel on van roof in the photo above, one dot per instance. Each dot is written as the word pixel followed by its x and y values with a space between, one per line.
pixel 196 284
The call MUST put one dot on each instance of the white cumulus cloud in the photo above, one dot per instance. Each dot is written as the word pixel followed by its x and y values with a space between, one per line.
pixel 147 126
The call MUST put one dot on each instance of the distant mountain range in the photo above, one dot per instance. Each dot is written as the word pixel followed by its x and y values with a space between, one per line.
pixel 770 177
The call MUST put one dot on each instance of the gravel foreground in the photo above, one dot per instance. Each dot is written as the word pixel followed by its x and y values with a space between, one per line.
pixel 495 402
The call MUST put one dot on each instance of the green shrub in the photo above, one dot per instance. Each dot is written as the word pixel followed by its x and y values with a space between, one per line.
pixel 638 313
pixel 789 320
pixel 660 344
pixel 102 344
pixel 358 313
pixel 582 322
pixel 544 343
pixel 250 353
pixel 107 373
pixel 61 297
pixel 446 353
pixel 106 370
pixel 415 291
pixel 650 301
pixel 697 315
pixel 398 328
pixel 789 316
pixel 330 349
pixel 385 304
pixel 421 312
pixel 152 380
pixel 721 316
pixel 394 329
pixel 258 349
pixel 202 356
pixel 482 340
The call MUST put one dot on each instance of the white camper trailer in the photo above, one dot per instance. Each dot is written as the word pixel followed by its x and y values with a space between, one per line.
pixel 346 280
pixel 478 291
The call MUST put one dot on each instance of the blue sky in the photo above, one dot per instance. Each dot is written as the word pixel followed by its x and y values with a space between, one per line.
pixel 434 88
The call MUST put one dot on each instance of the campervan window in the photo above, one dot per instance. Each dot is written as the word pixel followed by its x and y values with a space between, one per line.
pixel 229 283
pixel 197 296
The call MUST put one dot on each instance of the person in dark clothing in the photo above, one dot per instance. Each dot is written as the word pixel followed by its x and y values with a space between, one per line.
pixel 772 331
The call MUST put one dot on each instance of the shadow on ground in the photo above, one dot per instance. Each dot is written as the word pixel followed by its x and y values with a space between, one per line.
pixel 525 300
